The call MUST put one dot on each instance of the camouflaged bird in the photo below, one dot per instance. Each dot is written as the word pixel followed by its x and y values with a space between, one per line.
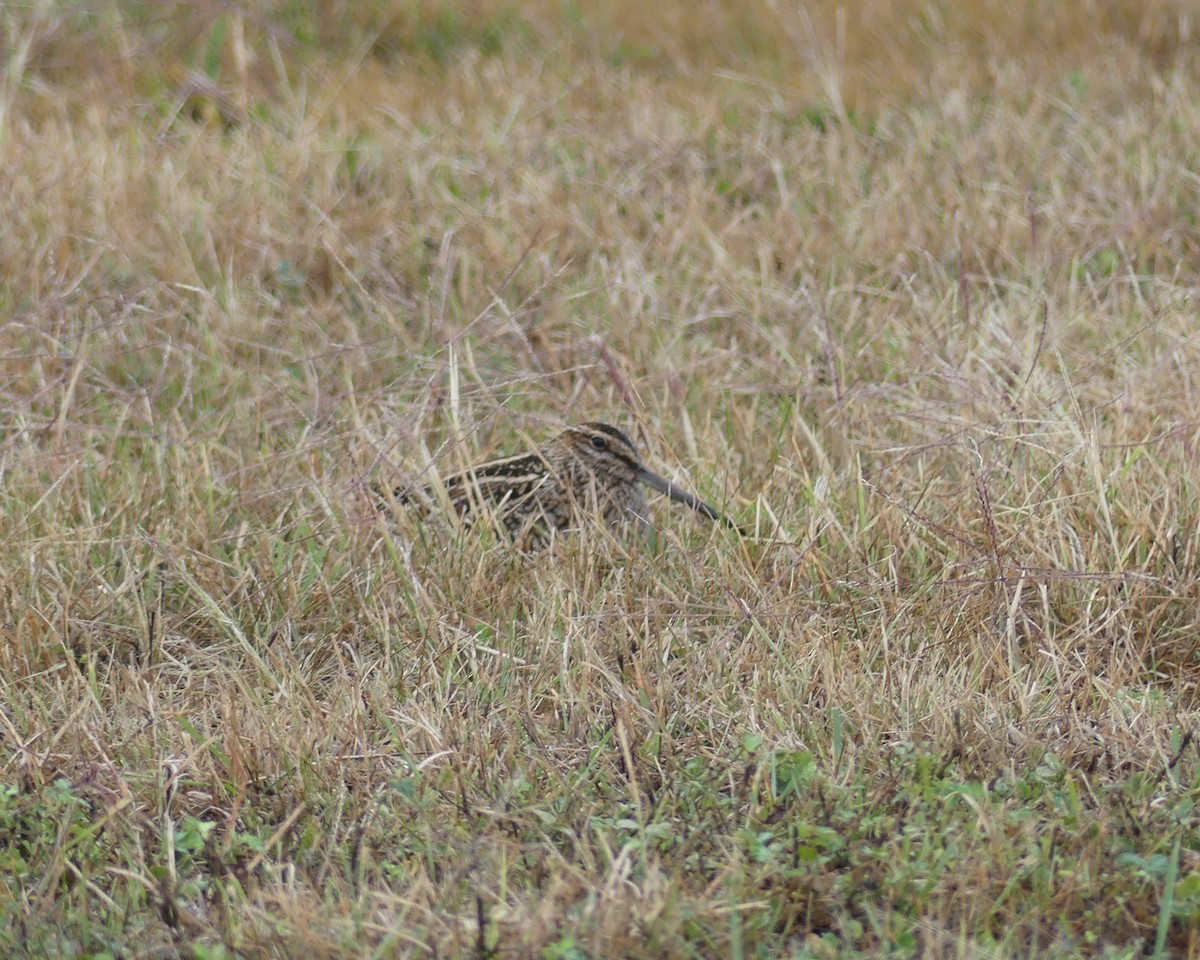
pixel 591 470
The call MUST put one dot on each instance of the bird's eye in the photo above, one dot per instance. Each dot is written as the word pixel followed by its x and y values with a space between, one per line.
pixel 599 443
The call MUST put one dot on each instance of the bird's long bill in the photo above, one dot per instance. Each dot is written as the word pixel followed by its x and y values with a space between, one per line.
pixel 679 495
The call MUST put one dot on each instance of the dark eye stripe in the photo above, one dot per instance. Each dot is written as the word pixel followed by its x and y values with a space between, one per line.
pixel 618 435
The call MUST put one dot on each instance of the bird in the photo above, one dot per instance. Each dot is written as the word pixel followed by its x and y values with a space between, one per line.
pixel 591 470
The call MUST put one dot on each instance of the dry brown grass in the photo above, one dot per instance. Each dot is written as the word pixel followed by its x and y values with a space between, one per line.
pixel 909 289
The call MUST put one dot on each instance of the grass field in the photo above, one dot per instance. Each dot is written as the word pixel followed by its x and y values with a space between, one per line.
pixel 909 289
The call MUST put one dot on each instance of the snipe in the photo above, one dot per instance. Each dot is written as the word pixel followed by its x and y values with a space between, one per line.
pixel 588 471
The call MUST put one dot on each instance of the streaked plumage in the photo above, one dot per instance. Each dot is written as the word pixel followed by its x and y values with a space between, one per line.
pixel 588 471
